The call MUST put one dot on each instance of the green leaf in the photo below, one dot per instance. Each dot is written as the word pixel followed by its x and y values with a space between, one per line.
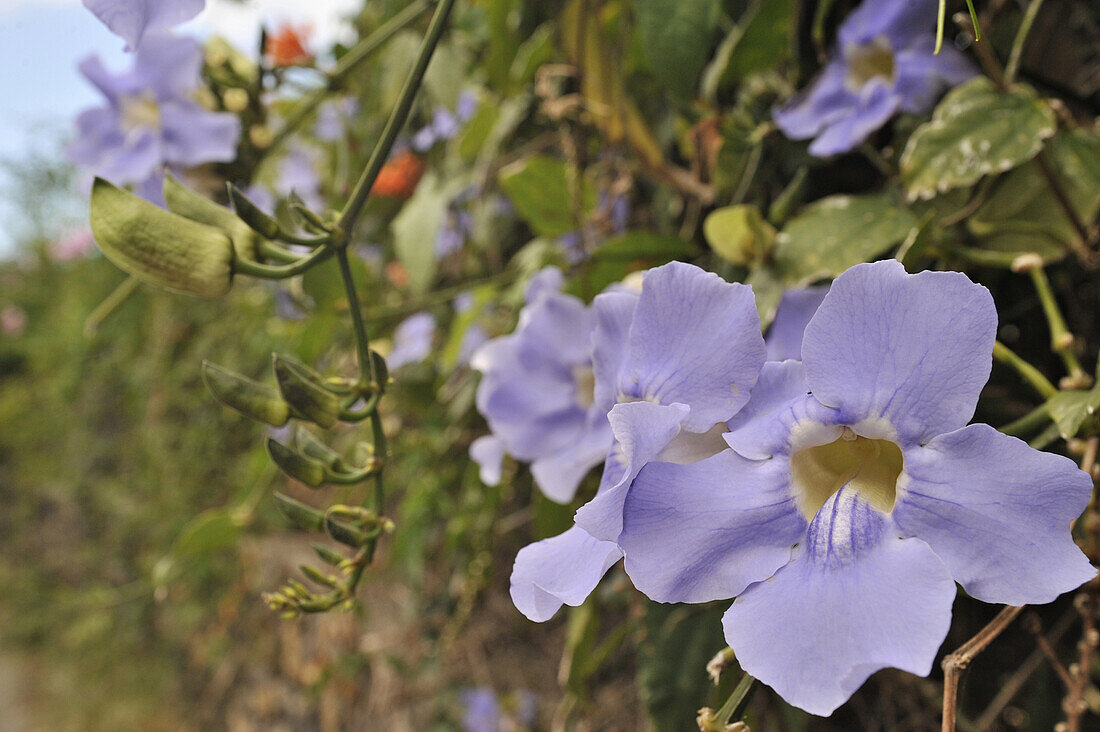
pixel 976 130
pixel 635 250
pixel 159 247
pixel 739 234
pixel 415 229
pixel 1023 215
pixel 675 35
pixel 835 233
pixel 541 190
pixel 208 532
pixel 761 40
pixel 1071 409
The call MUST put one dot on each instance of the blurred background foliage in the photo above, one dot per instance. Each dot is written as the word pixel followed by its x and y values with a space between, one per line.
pixel 137 529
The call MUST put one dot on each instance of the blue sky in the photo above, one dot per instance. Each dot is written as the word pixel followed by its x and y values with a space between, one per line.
pixel 41 41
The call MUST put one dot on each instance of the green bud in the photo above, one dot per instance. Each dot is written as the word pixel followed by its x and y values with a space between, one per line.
pixel 319 577
pixel 299 513
pixel 252 399
pixel 197 207
pixel 296 465
pixel 345 534
pixel 328 556
pixel 304 389
pixel 160 247
pixel 251 214
pixel 307 218
pixel 310 446
pixel 739 234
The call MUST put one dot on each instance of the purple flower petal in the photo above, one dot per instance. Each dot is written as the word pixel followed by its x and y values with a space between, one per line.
pixel 854 599
pixel 610 343
pixel 914 350
pixel 897 20
pixel 796 308
pixel 778 401
pixel 560 570
pixel 695 340
pixel 822 103
pixel 488 452
pixel 170 66
pixel 548 279
pixel 132 19
pixel 642 430
pixel 193 136
pixel 876 104
pixel 412 340
pixel 997 512
pixel 922 75
pixel 701 532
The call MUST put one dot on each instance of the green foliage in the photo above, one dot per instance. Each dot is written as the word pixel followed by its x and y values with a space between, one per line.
pixel 976 130
pixel 674 35
pixel 541 189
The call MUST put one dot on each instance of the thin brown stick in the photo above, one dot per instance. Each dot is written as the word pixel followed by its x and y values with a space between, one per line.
pixel 1047 649
pixel 1031 664
pixel 954 663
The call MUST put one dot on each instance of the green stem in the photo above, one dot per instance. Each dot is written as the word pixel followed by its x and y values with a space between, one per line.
pixel 1013 64
pixel 354 207
pixel 738 700
pixel 367 375
pixel 1029 423
pixel 283 271
pixel 1027 372
pixel 273 251
pixel 1061 340
pixel 435 298
pixel 347 64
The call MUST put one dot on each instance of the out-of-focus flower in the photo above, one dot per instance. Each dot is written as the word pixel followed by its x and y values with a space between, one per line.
pixel 445 124
pixel 297 173
pixel 673 364
pixel 412 340
pixel 133 19
pixel 73 245
pixel 796 308
pixel 457 226
pixel 481 710
pixel 334 117
pixel 151 120
pixel 853 495
pixel 537 393
pixel 613 213
pixel 286 46
pixel 13 321
pixel 399 176
pixel 475 335
pixel 885 64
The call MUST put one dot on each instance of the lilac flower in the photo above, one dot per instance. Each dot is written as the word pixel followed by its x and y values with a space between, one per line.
pixel 885 64
pixel 482 712
pixel 475 335
pixel 412 340
pixel 797 306
pixel 150 120
pixel 133 19
pixel 537 393
pixel 333 119
pixel 445 124
pixel 298 174
pixel 675 363
pixel 854 495
pixel 454 232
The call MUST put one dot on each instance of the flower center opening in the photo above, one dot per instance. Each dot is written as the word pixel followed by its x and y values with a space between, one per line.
pixel 585 380
pixel 140 112
pixel 870 467
pixel 868 61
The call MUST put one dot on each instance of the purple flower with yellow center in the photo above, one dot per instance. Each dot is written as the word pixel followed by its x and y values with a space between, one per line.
pixel 854 495
pixel 133 19
pixel 537 394
pixel 151 121
pixel 674 363
pixel 885 64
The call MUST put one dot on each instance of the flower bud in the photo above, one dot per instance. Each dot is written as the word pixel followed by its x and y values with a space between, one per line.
pixel 251 214
pixel 299 513
pixel 305 392
pixel 310 446
pixel 297 466
pixel 254 400
pixel 160 247
pixel 191 205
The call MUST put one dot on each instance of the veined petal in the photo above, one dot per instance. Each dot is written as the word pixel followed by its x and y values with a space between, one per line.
pixel 701 532
pixel 642 430
pixel 776 426
pixel 560 474
pixel 610 342
pixel 695 340
pixel 855 599
pixel 796 308
pixel 561 570
pixel 913 349
pixel 998 513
